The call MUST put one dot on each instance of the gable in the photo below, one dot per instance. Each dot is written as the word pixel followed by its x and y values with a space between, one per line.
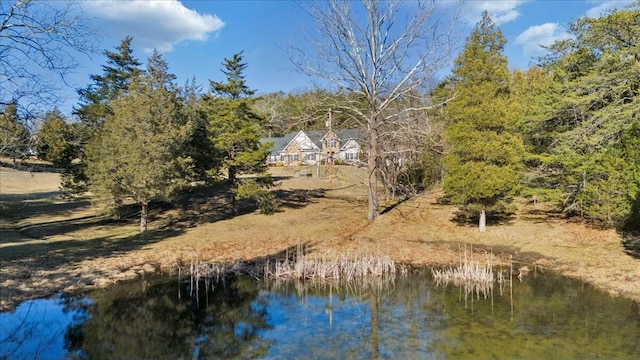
pixel 292 147
pixel 304 142
pixel 350 144
pixel 308 141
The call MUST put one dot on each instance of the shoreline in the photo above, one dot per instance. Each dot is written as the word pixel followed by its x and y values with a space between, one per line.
pixel 50 245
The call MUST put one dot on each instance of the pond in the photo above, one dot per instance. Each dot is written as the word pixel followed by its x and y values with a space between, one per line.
pixel 544 316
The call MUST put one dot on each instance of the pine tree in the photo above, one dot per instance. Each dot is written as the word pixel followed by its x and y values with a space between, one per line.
pixel 234 128
pixel 484 156
pixel 138 153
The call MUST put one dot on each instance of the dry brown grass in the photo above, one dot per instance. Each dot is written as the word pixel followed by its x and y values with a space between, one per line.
pixel 49 244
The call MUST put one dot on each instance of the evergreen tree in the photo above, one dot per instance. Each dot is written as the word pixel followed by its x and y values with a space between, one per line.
pixel 206 162
pixel 117 75
pixel 588 117
pixel 55 143
pixel 613 183
pixel 234 128
pixel 95 106
pixel 484 158
pixel 60 142
pixel 138 153
pixel 14 136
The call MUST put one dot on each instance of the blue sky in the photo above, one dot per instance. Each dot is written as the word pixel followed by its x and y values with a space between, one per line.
pixel 196 36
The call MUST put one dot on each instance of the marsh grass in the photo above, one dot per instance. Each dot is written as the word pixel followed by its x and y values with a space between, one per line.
pixel 471 275
pixel 304 271
pixel 341 268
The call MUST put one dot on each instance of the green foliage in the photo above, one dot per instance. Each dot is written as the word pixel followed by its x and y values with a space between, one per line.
pixel 234 128
pixel 14 136
pixel 55 143
pixel 427 170
pixel 234 131
pixel 121 69
pixel 59 142
pixel 612 182
pixel 581 127
pixel 139 152
pixel 95 107
pixel 252 189
pixel 206 161
pixel 74 178
pixel 484 155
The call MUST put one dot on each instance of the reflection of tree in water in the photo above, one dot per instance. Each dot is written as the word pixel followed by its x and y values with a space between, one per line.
pixel 79 307
pixel 553 317
pixel 231 320
pixel 151 321
pixel 408 318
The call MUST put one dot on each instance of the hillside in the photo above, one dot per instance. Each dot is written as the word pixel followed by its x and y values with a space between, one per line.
pixel 50 244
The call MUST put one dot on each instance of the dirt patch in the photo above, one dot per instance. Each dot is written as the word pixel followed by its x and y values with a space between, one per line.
pixel 50 244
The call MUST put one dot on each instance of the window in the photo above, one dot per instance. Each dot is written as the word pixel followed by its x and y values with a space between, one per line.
pixel 351 156
pixel 310 157
pixel 331 143
pixel 293 157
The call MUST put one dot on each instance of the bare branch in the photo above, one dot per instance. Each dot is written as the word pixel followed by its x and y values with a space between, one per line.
pixel 39 44
pixel 382 53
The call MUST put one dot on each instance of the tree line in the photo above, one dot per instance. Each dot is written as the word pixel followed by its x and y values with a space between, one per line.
pixel 565 131
pixel 140 135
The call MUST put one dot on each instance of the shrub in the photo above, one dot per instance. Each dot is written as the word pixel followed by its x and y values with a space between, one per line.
pixel 252 189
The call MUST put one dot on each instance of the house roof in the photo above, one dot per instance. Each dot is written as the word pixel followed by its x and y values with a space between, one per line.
pixel 279 143
pixel 316 136
pixel 304 143
pixel 348 134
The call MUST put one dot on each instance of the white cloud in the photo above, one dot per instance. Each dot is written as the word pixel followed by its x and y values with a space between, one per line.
pixel 604 6
pixel 545 34
pixel 153 24
pixel 501 12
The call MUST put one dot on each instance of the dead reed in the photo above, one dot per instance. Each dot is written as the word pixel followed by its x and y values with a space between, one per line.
pixel 365 269
pixel 342 268
pixel 470 274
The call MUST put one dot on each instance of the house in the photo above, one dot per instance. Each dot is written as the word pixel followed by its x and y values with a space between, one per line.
pixel 343 146
pixel 309 147
pixel 292 149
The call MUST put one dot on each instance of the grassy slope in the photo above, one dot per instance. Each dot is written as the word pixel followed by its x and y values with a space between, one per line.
pixel 49 244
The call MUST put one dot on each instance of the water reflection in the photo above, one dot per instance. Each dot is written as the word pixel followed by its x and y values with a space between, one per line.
pixel 548 316
pixel 43 329
pixel 154 321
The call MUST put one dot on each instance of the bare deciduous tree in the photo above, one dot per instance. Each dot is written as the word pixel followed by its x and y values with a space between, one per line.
pixel 411 148
pixel 384 52
pixel 39 42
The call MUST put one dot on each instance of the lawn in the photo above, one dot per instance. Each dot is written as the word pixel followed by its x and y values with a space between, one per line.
pixel 49 243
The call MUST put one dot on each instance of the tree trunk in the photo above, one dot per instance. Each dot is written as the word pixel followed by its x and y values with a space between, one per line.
pixel 372 172
pixel 232 183
pixel 483 220
pixel 144 216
